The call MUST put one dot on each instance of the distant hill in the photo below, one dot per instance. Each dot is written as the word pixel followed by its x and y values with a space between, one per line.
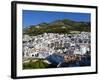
pixel 58 26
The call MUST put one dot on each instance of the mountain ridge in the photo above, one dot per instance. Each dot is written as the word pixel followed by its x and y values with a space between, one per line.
pixel 57 26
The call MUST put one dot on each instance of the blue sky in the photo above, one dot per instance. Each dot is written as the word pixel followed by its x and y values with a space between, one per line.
pixel 31 17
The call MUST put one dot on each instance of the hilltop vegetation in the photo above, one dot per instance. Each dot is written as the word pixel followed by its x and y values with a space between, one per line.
pixel 58 26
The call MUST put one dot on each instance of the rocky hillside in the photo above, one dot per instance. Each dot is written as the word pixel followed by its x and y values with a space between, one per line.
pixel 58 26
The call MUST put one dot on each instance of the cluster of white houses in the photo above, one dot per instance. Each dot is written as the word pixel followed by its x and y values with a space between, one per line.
pixel 41 46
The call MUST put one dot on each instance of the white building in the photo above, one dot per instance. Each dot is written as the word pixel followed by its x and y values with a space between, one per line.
pixel 45 44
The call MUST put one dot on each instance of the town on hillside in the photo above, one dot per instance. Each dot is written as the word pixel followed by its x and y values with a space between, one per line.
pixel 58 50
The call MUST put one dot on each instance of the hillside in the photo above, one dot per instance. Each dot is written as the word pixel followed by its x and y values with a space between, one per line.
pixel 58 26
